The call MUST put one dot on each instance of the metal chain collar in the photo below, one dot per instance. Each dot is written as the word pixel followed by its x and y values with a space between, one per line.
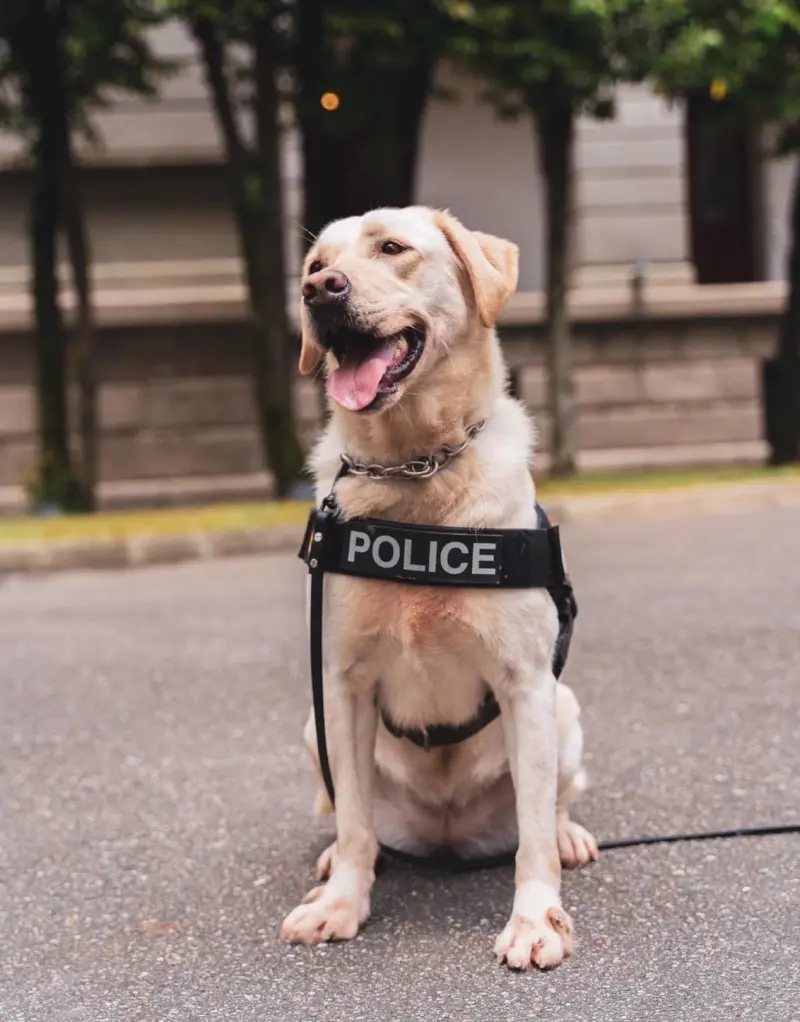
pixel 417 468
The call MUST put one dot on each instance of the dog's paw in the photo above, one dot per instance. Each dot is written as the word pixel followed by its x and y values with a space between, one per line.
pixel 326 862
pixel 545 942
pixel 576 846
pixel 325 916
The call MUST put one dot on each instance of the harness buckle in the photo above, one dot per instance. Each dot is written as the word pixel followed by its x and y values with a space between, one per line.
pixel 314 538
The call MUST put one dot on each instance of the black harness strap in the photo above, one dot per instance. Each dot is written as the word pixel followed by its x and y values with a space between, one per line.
pixel 563 596
pixel 441 555
pixel 438 735
pixel 314 548
pixel 428 555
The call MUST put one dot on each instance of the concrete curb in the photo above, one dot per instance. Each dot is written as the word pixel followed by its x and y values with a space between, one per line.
pixel 143 550
pixel 716 498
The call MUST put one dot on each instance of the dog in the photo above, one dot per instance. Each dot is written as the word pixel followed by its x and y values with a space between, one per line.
pixel 401 305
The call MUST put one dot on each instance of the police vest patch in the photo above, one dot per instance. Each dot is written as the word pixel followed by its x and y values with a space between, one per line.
pixel 394 552
pixel 433 555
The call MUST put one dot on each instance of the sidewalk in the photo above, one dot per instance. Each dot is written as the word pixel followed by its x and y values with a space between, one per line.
pixel 202 538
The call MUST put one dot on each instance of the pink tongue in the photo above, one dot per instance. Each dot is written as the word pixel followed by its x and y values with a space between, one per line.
pixel 354 384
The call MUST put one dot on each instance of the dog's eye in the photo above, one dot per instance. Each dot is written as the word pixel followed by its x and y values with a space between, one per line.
pixel 393 248
pixel 315 267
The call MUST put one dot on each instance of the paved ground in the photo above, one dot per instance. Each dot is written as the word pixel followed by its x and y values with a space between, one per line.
pixel 155 803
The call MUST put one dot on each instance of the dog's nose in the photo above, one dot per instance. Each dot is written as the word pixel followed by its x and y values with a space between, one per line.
pixel 325 287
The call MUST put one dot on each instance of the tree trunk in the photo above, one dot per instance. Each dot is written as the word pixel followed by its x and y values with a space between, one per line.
pixel 785 415
pixel 54 470
pixel 82 349
pixel 279 350
pixel 555 132
pixel 338 186
pixel 380 125
pixel 36 43
pixel 310 69
pixel 256 188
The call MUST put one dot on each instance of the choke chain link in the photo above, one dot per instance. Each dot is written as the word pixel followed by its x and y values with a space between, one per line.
pixel 418 468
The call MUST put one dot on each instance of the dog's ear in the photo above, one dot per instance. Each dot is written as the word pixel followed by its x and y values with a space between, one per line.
pixel 492 265
pixel 310 351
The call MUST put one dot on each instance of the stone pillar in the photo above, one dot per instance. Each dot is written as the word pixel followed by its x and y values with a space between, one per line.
pixel 632 202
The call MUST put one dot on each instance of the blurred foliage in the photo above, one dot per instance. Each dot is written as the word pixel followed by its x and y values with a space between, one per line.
pixel 365 48
pixel 106 52
pixel 554 51
pixel 747 54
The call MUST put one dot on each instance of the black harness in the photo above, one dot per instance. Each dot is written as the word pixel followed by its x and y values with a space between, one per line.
pixel 430 555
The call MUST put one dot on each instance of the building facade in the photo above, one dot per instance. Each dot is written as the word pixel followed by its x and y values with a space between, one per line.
pixel 661 194
pixel 657 186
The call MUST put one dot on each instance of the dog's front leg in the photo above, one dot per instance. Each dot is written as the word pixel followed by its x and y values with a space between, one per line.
pixel 539 931
pixel 336 910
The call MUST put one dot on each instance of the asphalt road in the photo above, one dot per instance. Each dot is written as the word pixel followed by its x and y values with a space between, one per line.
pixel 155 823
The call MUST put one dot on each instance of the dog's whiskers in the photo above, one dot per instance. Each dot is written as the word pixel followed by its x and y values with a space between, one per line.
pixel 304 232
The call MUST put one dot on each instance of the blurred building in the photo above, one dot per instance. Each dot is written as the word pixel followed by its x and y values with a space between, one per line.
pixel 679 249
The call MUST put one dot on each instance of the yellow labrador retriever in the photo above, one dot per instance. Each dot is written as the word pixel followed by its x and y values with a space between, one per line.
pixel 401 305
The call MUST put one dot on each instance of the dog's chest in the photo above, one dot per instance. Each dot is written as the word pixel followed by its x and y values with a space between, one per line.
pixel 421 646
pixel 414 619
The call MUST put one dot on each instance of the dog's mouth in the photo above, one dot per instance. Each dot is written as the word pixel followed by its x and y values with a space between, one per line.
pixel 371 367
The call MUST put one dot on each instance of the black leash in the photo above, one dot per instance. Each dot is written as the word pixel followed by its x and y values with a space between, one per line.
pixel 451 863
pixel 314 544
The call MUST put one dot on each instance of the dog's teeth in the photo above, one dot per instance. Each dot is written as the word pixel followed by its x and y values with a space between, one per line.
pixel 400 351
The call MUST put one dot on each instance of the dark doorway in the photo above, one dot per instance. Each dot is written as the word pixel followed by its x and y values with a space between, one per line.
pixel 724 194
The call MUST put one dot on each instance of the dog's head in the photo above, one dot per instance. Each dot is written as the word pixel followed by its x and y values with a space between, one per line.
pixel 390 295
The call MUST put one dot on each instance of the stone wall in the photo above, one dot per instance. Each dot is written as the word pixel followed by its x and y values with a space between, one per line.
pixel 175 412
pixel 674 393
pixel 177 419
